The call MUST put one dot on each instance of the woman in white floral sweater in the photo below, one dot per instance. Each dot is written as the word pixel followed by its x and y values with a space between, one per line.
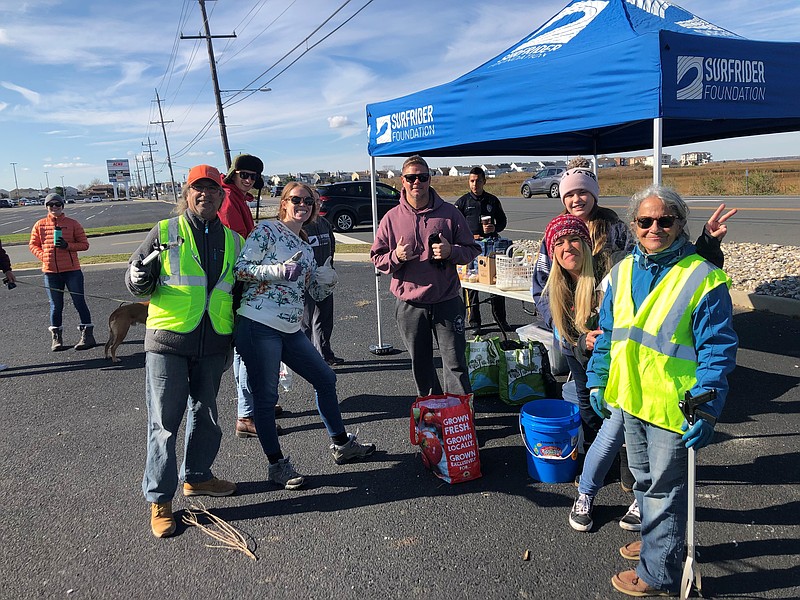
pixel 277 267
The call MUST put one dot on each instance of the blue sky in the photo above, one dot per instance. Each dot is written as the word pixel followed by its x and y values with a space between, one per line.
pixel 78 77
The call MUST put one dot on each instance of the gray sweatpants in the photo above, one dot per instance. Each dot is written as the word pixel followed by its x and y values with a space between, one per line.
pixel 419 325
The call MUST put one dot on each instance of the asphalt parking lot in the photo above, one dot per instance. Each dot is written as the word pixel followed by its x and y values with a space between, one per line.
pixel 75 524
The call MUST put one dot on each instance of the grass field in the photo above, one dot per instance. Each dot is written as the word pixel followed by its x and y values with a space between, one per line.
pixel 778 178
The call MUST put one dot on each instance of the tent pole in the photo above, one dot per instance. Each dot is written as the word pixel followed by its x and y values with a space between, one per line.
pixel 657 149
pixel 380 347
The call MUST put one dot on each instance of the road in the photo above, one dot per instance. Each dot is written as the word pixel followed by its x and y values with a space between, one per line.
pixel 764 220
pixel 75 524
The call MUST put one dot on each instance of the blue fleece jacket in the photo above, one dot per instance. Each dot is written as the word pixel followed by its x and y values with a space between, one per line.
pixel 712 326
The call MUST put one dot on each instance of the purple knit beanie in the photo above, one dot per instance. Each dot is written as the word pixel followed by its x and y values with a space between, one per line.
pixel 579 179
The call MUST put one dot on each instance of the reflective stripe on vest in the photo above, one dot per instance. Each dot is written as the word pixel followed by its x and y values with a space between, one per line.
pixel 653 358
pixel 181 298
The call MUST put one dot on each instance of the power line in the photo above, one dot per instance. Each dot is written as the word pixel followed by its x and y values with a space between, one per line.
pixel 227 59
pixel 307 50
pixel 303 41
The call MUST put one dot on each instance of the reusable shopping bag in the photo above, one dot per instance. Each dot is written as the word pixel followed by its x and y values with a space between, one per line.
pixel 444 428
pixel 483 361
pixel 524 371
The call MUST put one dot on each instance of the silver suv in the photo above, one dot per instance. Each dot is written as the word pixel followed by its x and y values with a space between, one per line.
pixel 544 182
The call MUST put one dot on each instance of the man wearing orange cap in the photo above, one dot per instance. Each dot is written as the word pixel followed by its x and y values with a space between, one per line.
pixel 185 265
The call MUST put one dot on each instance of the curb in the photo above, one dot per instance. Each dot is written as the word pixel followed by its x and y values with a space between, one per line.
pixel 780 306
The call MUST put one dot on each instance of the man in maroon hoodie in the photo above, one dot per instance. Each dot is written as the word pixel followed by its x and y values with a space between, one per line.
pixel 420 242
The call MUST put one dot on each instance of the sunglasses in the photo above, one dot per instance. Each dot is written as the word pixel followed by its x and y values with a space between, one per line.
pixel 307 200
pixel 663 222
pixel 412 177
pixel 205 189
pixel 55 205
pixel 246 175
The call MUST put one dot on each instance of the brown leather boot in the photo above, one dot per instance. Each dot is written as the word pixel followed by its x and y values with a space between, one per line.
pixel 58 340
pixel 87 338
pixel 162 521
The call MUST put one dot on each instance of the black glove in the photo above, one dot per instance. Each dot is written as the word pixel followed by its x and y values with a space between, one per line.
pixel 62 243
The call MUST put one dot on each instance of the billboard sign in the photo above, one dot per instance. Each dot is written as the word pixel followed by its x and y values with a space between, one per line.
pixel 119 171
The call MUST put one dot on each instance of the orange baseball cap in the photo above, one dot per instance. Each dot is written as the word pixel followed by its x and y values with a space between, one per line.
pixel 203 172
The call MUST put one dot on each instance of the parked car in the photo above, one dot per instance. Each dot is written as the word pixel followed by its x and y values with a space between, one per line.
pixel 545 181
pixel 349 204
pixel 4 203
pixel 96 199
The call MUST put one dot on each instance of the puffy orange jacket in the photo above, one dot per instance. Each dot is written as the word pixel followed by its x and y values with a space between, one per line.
pixel 56 260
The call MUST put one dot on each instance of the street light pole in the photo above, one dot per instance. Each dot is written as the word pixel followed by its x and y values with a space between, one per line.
pixel 48 181
pixel 16 185
pixel 63 189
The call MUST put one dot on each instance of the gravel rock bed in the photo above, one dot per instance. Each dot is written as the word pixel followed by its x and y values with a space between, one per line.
pixel 765 269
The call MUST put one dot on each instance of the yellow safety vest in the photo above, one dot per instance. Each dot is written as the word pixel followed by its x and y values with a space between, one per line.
pixel 653 357
pixel 181 298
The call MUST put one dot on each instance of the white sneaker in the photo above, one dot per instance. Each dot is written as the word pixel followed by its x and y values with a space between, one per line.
pixel 632 521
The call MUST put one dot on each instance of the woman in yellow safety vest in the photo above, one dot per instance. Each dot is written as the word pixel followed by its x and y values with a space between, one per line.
pixel 667 329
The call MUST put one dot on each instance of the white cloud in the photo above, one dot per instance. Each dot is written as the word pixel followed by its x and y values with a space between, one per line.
pixel 66 165
pixel 340 121
pixel 3 105
pixel 29 95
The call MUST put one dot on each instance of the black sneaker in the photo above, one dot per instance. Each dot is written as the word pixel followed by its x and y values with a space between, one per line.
pixel 580 519
pixel 632 521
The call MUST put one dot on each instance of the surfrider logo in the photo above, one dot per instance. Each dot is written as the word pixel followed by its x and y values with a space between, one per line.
pixel 690 74
pixel 557 31
pixel 405 125
pixel 384 127
pixel 720 79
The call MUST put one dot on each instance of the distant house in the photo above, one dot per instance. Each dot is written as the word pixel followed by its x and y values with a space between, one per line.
pixel 695 158
pixel 639 160
pixel 440 171
pixel 621 161
pixel 666 160
pixel 526 167
pixel 459 171
pixel 604 162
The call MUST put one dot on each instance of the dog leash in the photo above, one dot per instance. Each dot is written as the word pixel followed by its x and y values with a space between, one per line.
pixel 45 287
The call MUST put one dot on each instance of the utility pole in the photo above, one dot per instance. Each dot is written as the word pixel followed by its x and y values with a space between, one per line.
pixel 161 122
pixel 48 181
pixel 138 174
pixel 212 61
pixel 144 168
pixel 16 185
pixel 150 145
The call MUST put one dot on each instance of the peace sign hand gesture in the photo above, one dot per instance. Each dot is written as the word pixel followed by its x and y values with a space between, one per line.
pixel 716 226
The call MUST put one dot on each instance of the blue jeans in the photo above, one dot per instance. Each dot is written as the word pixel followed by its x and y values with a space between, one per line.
pixel 658 460
pixel 600 455
pixel 262 349
pixel 590 420
pixel 173 384
pixel 55 283
pixel 243 392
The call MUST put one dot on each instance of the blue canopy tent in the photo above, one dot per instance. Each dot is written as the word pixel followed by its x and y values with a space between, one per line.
pixel 601 76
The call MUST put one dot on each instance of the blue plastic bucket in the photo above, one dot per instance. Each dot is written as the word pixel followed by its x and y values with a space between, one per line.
pixel 549 429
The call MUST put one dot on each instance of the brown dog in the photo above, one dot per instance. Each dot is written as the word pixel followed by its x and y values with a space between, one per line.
pixel 120 321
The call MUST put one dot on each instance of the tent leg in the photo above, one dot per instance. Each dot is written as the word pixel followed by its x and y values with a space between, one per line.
pixel 657 149
pixel 379 348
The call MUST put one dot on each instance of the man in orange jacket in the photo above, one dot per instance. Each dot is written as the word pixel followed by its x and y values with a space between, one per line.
pixel 56 240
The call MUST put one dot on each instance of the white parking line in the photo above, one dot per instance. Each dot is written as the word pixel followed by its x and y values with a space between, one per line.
pixel 346 239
